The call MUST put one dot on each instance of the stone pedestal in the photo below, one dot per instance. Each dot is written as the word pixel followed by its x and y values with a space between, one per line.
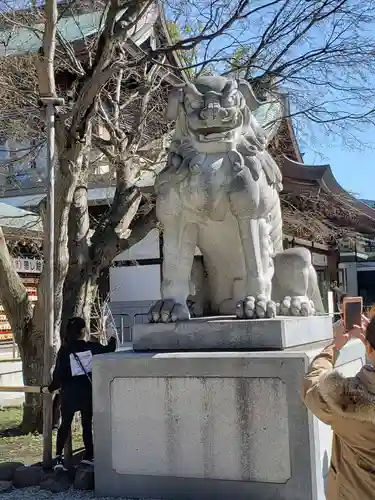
pixel 227 333
pixel 210 425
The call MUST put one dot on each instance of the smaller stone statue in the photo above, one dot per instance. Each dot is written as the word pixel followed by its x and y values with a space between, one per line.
pixel 220 191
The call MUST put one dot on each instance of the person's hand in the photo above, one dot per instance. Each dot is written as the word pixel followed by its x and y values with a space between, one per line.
pixel 110 332
pixel 340 336
pixel 44 389
pixel 112 340
pixel 360 331
pixel 365 321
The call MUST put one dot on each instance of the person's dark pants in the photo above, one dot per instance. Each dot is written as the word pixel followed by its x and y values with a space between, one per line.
pixel 56 411
pixel 67 415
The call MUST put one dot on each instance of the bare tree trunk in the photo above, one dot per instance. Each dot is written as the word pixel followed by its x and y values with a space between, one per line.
pixel 77 286
pixel 32 355
pixel 88 259
pixel 78 297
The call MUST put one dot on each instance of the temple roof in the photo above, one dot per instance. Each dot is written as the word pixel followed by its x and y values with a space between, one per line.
pixel 333 210
pixel 370 203
pixel 20 40
pixel 302 179
pixel 16 222
pixel 99 195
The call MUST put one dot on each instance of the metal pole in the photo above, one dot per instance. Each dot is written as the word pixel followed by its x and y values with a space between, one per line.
pixel 49 291
pixel 49 288
pixel 122 329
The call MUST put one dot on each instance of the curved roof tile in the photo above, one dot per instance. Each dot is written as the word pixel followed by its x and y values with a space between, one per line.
pixel 22 40
pixel 323 176
pixel 18 219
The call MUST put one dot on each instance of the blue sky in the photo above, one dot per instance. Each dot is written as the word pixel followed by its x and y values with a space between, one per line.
pixel 353 168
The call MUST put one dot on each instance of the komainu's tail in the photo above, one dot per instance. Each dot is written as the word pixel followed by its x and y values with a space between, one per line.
pixel 313 291
pixel 276 223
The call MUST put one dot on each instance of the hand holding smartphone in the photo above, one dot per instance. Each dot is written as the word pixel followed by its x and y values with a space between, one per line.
pixel 352 312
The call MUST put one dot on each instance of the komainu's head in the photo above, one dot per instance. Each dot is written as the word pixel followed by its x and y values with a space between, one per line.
pixel 213 109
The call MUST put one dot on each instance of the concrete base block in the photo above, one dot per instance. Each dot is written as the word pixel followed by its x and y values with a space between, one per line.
pixel 210 425
pixel 228 333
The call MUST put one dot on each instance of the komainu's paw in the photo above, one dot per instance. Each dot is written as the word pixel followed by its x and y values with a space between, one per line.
pixel 297 306
pixel 255 308
pixel 168 311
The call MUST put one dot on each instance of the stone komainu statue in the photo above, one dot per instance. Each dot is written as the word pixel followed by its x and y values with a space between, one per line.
pixel 220 191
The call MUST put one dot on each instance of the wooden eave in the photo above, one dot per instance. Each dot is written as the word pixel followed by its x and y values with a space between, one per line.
pixel 289 126
pixel 299 178
pixel 22 235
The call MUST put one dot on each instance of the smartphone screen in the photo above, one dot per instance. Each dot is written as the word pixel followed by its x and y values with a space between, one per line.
pixel 352 312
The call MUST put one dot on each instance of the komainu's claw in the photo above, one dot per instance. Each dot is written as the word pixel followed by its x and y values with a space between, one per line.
pixel 297 306
pixel 168 311
pixel 255 308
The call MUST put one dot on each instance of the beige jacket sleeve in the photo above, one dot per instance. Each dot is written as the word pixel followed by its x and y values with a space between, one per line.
pixel 319 368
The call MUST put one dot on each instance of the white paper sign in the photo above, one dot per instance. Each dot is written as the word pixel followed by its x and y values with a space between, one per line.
pixel 86 361
pixel 33 266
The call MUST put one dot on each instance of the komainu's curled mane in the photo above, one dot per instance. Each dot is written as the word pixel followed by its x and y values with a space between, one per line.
pixel 252 140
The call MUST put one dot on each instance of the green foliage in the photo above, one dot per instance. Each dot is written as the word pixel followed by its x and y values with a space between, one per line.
pixel 26 448
pixel 188 57
pixel 239 59
pixel 174 32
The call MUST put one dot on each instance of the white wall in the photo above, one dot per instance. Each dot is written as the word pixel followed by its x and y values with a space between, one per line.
pixel 138 283
pixel 148 248
pixel 134 283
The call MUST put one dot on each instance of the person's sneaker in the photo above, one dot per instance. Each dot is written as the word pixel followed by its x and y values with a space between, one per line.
pixel 87 460
pixel 59 465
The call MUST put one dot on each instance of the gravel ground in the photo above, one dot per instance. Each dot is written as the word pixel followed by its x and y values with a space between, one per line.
pixel 37 494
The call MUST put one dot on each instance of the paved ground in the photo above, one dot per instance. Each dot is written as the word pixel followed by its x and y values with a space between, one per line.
pixel 37 494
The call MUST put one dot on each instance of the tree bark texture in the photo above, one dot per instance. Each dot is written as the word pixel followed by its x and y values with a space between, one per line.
pixel 31 352
pixel 78 286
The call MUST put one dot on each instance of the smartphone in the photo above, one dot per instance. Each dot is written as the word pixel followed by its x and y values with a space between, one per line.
pixel 352 312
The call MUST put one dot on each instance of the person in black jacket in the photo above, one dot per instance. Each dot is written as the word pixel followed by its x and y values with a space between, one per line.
pixel 73 376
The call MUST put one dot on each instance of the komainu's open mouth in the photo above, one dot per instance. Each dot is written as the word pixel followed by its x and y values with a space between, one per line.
pixel 215 137
pixel 212 130
pixel 211 134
